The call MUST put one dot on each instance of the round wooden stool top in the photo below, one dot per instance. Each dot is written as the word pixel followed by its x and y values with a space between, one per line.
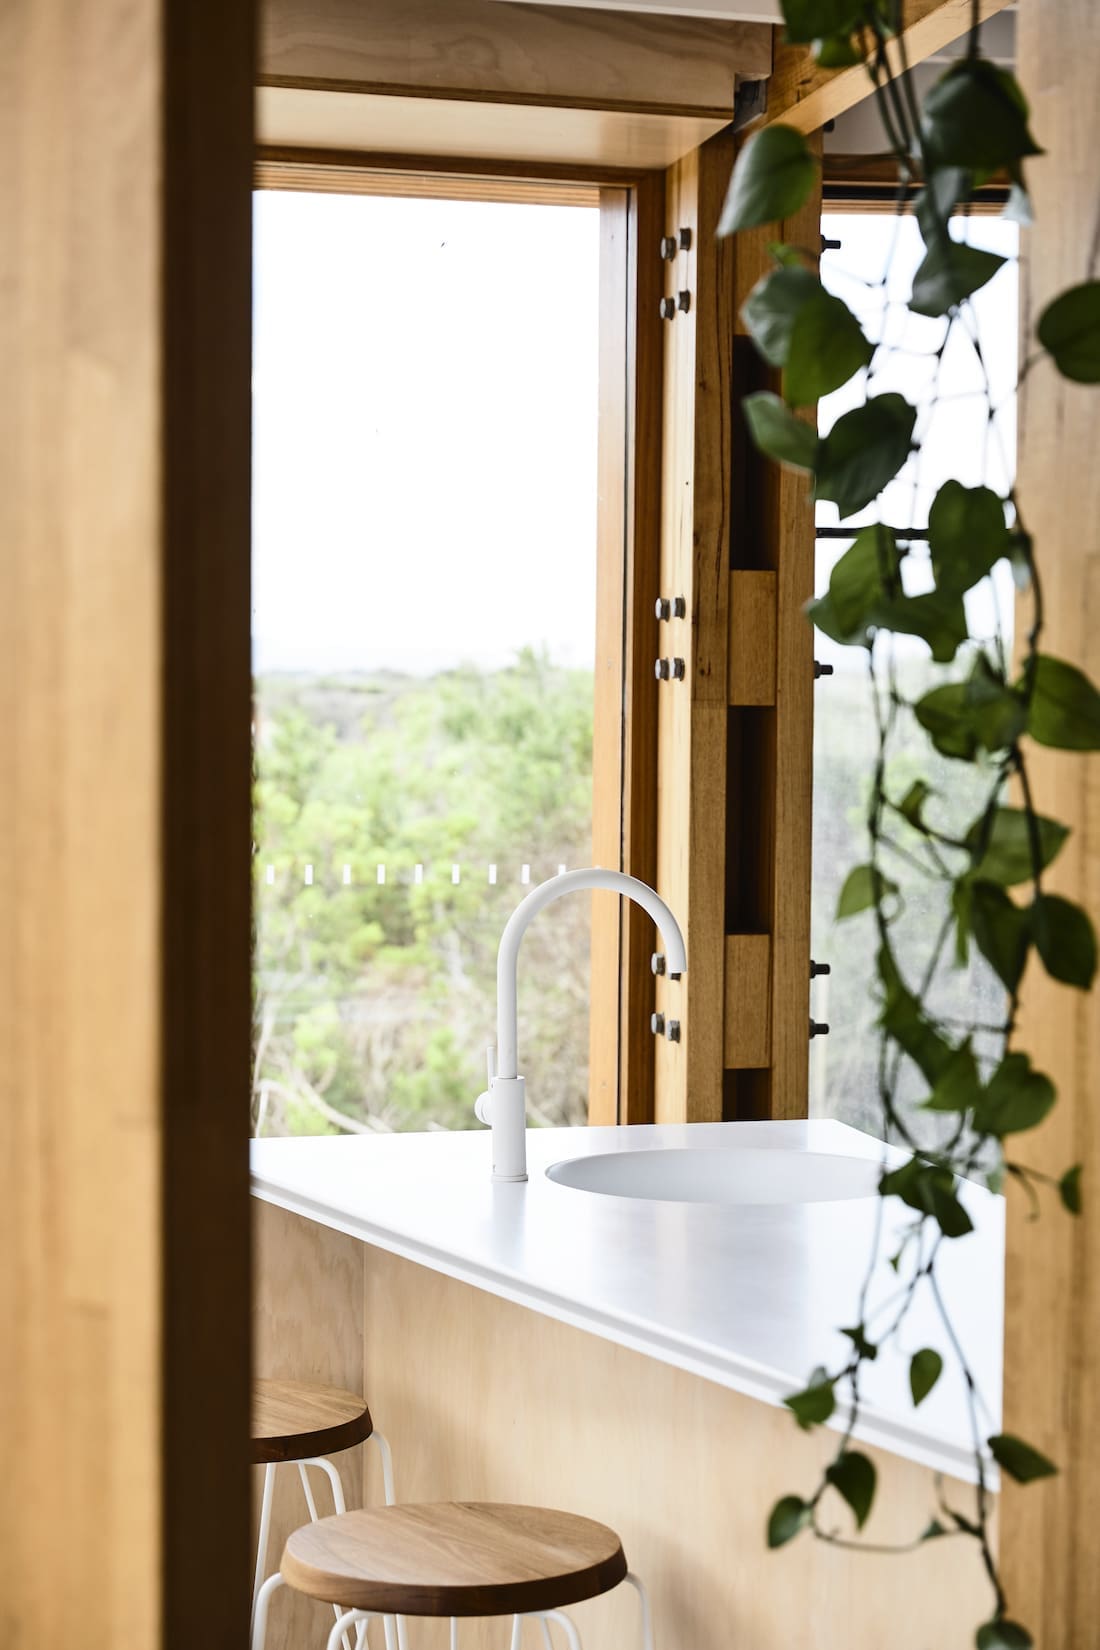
pixel 292 1420
pixel 452 1558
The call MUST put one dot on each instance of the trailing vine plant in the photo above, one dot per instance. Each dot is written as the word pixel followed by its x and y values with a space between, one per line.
pixel 913 579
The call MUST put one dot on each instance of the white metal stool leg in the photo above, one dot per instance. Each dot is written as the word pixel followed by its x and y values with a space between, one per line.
pixel 392 1625
pixel 565 1623
pixel 350 1618
pixel 332 1474
pixel 517 1632
pixel 383 1445
pixel 259 1610
pixel 265 1532
pixel 647 1615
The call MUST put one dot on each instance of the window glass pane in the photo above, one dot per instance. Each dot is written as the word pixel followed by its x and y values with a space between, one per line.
pixel 423 639
pixel 961 442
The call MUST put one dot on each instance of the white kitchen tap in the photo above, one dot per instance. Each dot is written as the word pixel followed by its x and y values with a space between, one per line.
pixel 503 1105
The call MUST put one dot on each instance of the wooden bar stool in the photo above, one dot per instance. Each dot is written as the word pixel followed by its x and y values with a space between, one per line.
pixel 453 1559
pixel 301 1423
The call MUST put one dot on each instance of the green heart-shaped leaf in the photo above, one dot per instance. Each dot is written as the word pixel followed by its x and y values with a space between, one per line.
pixel 967 535
pixel 1021 1461
pixel 1064 710
pixel 943 714
pixel 827 346
pixel 1002 931
pixel 959 1085
pixel 814 1405
pixel 949 272
pixel 852 1475
pixel 865 574
pixel 936 616
pixel 1005 852
pixel 995 711
pixel 1069 1189
pixel 788 1518
pixel 975 117
pixel 773 306
pixel 773 177
pixel 778 433
pixel 813 19
pixel 1069 329
pixel 1065 940
pixel 1003 1635
pixel 864 451
pixel 924 1371
pixel 1016 1098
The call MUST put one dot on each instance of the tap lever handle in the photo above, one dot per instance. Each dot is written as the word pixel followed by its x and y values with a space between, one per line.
pixel 491 1061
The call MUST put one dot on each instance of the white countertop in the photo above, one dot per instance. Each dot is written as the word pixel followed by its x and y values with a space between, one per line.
pixel 750 1297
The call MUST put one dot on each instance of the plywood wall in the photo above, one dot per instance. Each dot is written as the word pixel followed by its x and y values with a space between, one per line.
pixel 124 827
pixel 1052 1326
pixel 484 1399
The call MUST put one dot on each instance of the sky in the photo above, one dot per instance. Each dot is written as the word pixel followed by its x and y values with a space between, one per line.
pixel 424 403
pixel 425 400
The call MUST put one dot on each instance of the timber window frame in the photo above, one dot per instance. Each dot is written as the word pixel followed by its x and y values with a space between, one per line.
pixel 624 790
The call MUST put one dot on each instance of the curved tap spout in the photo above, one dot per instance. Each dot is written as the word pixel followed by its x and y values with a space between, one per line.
pixel 504 1105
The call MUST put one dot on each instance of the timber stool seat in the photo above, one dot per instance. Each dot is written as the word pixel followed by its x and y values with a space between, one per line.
pixel 295 1420
pixel 453 1559
pixel 301 1424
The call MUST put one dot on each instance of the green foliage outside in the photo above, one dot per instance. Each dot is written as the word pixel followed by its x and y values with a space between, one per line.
pixel 375 1002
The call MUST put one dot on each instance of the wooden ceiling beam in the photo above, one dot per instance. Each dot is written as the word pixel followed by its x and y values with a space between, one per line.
pixel 482 51
pixel 801 95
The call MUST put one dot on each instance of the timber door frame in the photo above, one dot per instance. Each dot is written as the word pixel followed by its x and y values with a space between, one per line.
pixel 124 765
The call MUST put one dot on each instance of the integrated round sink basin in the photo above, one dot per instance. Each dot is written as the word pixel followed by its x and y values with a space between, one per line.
pixel 729 1175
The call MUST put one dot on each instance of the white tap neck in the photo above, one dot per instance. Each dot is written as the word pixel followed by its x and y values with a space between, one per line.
pixel 616 882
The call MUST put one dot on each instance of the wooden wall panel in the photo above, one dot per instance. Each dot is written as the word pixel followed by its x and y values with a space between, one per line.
pixel 1052 1327
pixel 478 49
pixel 307 1326
pixel 124 767
pixel 485 1399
